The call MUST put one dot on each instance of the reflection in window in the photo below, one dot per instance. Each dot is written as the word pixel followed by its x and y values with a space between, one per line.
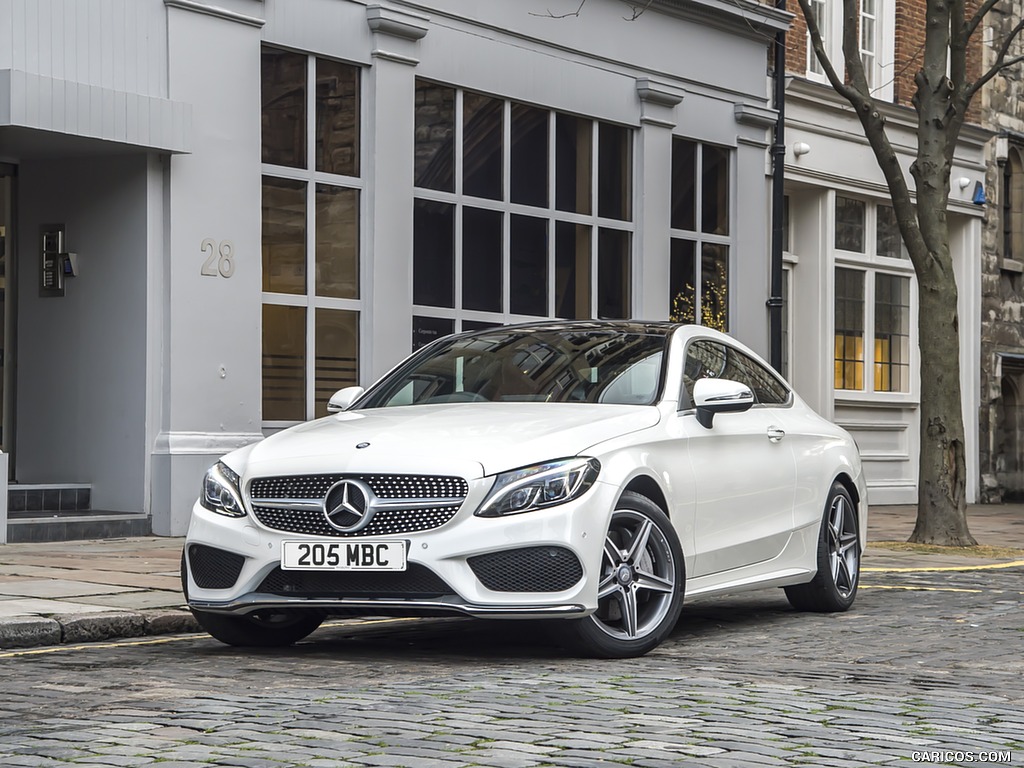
pixel 284 363
pixel 433 254
pixel 337 242
pixel 892 333
pixel 481 259
pixel 715 190
pixel 428 329
pixel 713 299
pixel 682 281
pixel 284 235
pixel 482 143
pixel 849 329
pixel 615 180
pixel 573 149
pixel 850 218
pixel 435 136
pixel 613 270
pixel 888 241
pixel 528 270
pixel 529 151
pixel 283 110
pixel 572 271
pixel 337 117
pixel 337 354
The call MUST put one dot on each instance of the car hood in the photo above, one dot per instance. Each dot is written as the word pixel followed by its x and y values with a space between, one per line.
pixel 469 439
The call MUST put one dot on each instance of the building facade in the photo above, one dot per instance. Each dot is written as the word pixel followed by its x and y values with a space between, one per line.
pixel 1001 416
pixel 851 289
pixel 213 215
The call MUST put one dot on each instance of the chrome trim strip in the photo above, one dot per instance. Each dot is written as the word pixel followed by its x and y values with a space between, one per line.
pixel 257 601
pixel 302 505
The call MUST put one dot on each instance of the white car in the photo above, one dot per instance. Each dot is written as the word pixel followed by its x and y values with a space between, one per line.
pixel 590 472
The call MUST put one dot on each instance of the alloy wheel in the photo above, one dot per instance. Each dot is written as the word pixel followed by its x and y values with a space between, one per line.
pixel 843 546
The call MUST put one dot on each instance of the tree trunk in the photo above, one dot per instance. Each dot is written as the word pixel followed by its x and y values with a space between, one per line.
pixel 941 504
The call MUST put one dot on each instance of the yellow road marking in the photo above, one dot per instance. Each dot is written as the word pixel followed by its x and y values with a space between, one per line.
pixel 172 639
pixel 920 589
pixel 989 567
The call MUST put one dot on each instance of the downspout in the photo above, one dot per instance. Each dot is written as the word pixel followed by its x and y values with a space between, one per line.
pixel 774 302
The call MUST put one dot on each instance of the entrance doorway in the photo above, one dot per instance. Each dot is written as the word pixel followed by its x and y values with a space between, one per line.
pixel 7 208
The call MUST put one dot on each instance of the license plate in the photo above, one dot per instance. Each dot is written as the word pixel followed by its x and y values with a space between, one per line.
pixel 343 556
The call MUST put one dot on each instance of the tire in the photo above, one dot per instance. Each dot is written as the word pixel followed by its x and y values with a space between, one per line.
pixel 642 580
pixel 262 629
pixel 834 586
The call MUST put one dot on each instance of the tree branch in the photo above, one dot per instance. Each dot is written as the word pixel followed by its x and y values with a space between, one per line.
pixel 971 27
pixel 550 15
pixel 1001 62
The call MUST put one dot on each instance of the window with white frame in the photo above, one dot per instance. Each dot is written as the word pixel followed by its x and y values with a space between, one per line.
pixel 520 212
pixel 823 19
pixel 311 194
pixel 872 299
pixel 699 255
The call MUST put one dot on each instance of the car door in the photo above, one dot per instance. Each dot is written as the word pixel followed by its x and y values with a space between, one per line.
pixel 744 470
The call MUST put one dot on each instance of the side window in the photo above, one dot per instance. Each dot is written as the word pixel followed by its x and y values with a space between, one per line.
pixel 712 359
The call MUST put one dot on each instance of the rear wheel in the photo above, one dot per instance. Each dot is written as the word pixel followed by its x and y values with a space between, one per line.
pixel 640 591
pixel 266 628
pixel 834 587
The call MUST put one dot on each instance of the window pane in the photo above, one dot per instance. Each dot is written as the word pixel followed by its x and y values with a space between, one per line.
pixel 573 152
pixel 682 282
pixel 572 271
pixel 337 354
pixel 433 249
pixel 892 333
pixel 284 235
pixel 426 329
pixel 482 146
pixel 283 117
pixel 684 184
pixel 337 242
pixel 715 191
pixel 849 322
pixel 887 237
pixel 849 224
pixel 613 270
pixel 714 286
pixel 528 281
pixel 481 259
pixel 615 181
pixel 435 136
pixel 529 166
pixel 337 117
pixel 284 363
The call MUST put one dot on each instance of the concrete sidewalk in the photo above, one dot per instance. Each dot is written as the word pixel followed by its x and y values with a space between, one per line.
pixel 80 591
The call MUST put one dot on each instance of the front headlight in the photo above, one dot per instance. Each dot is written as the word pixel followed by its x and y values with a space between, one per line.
pixel 540 486
pixel 220 492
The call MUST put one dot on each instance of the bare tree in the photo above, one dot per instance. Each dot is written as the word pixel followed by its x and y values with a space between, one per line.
pixel 941 101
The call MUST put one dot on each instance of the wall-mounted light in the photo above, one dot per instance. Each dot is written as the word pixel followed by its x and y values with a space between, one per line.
pixel 1002 149
pixel 963 182
pixel 801 148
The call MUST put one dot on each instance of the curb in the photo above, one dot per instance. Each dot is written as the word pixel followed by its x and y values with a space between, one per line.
pixel 31 631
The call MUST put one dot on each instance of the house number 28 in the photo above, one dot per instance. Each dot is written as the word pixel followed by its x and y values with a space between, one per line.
pixel 221 260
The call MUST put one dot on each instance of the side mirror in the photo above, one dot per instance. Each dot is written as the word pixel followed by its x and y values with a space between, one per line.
pixel 711 396
pixel 343 399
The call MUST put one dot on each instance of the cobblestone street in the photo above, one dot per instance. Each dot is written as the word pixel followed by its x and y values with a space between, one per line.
pixel 927 667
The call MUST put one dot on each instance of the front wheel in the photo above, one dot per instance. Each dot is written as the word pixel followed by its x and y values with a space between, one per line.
pixel 259 629
pixel 641 584
pixel 834 587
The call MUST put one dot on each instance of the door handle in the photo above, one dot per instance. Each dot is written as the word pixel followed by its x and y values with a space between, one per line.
pixel 775 434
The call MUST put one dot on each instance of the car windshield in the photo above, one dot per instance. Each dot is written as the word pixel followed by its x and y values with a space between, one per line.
pixel 530 365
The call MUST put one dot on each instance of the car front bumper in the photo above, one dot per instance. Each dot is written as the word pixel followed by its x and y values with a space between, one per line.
pixel 445 555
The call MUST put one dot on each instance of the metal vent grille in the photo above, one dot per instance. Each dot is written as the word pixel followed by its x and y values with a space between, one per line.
pixel 531 569
pixel 214 568
pixel 292 518
pixel 418 581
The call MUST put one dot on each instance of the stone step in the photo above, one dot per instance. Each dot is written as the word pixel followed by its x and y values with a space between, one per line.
pixel 75 525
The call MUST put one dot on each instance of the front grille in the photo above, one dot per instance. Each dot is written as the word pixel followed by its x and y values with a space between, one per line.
pixel 531 569
pixel 214 568
pixel 415 582
pixel 420 489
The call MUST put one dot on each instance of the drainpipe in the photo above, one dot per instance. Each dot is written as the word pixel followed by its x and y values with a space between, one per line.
pixel 774 302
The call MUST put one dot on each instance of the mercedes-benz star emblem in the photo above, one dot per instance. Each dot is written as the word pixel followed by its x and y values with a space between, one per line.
pixel 347 505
